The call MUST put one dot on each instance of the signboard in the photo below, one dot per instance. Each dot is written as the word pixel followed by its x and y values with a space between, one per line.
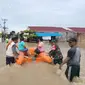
pixel 47 38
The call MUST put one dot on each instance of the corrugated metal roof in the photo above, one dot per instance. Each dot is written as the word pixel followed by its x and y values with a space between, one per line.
pixel 48 34
pixel 47 29
pixel 57 29
pixel 78 29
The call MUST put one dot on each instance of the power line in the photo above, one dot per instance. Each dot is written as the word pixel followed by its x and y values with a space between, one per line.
pixel 4 23
pixel 4 28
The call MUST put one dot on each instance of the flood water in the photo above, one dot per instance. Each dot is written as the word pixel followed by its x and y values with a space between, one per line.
pixel 38 73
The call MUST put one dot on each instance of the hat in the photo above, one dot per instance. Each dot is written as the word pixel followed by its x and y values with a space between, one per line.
pixel 72 40
pixel 53 40
pixel 14 38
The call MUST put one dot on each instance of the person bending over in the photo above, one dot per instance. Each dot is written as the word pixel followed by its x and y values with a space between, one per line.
pixel 11 51
pixel 55 53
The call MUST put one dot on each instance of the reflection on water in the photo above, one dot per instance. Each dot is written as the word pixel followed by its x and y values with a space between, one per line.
pixel 41 73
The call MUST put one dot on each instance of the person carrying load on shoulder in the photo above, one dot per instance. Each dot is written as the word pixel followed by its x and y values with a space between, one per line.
pixel 22 47
pixel 11 51
pixel 55 52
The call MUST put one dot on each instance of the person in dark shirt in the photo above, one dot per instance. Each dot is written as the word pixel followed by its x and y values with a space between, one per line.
pixel 72 60
pixel 55 52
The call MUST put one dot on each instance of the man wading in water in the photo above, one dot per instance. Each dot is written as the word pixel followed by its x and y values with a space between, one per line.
pixel 72 60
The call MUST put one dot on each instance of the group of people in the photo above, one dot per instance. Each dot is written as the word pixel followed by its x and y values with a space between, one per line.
pixel 72 59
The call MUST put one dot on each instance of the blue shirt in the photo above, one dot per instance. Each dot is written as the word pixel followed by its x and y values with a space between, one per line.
pixel 21 45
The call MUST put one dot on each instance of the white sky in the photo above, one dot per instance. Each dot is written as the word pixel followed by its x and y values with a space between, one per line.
pixel 23 13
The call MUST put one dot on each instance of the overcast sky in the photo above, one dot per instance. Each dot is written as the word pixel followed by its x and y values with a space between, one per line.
pixel 23 13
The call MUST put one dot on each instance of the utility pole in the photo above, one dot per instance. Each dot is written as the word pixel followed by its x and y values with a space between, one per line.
pixel 4 28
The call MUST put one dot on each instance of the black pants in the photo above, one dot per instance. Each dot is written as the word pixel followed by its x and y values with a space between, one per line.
pixel 57 61
pixel 37 51
pixel 10 60
pixel 72 71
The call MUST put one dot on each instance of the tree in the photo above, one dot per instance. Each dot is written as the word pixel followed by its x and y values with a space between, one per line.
pixel 21 34
pixel 30 35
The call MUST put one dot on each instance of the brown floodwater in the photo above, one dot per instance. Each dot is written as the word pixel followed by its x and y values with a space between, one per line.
pixel 38 73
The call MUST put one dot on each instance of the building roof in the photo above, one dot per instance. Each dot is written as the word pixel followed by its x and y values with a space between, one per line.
pixel 48 34
pixel 78 29
pixel 57 29
pixel 47 29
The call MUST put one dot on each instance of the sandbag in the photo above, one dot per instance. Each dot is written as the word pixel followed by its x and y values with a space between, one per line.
pixel 43 57
pixel 31 51
pixel 47 59
pixel 27 59
pixel 20 59
pixel 39 59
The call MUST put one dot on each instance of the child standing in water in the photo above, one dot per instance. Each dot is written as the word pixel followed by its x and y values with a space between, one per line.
pixel 55 52
pixel 11 52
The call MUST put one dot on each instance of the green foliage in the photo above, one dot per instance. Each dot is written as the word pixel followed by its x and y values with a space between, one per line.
pixel 6 35
pixel 26 31
pixel 31 34
pixel 25 35
pixel 7 40
pixel 29 31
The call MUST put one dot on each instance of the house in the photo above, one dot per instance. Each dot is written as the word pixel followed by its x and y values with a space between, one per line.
pixel 80 31
pixel 67 32
pixel 49 30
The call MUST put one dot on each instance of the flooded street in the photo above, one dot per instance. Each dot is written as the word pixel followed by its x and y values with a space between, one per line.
pixel 37 73
pixel 2 54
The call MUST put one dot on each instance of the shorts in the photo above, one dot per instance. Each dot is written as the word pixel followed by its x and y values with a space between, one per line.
pixel 24 50
pixel 10 60
pixel 71 72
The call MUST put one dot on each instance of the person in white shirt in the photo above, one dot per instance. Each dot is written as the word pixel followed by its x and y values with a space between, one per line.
pixel 11 51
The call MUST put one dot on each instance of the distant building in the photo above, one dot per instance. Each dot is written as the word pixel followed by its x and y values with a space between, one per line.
pixel 67 32
pixel 47 29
